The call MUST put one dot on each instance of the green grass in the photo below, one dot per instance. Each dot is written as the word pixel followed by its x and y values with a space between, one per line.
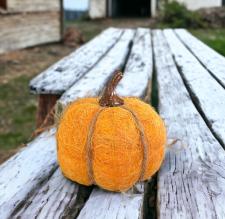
pixel 215 38
pixel 90 28
pixel 17 104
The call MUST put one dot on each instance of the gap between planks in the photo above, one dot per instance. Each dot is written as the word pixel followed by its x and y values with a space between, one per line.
pixel 207 94
pixel 209 58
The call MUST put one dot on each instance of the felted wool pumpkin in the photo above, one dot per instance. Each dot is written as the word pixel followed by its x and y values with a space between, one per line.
pixel 109 141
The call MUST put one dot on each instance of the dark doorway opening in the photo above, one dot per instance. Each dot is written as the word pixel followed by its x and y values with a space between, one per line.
pixel 129 8
pixel 223 3
pixel 3 4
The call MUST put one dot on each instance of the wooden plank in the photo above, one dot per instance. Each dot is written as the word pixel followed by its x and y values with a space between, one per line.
pixel 207 93
pixel 212 61
pixel 33 201
pixel 62 75
pixel 94 81
pixel 31 6
pixel 24 30
pixel 25 171
pixel 138 71
pixel 103 204
pixel 191 179
pixel 55 199
pixel 46 102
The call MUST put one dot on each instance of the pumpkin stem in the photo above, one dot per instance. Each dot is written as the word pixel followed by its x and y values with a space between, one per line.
pixel 109 97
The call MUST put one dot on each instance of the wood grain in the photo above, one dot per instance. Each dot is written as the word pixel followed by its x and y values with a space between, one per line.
pixel 25 30
pixel 63 74
pixel 103 204
pixel 208 95
pixel 191 180
pixel 54 199
pixel 212 60
pixel 25 171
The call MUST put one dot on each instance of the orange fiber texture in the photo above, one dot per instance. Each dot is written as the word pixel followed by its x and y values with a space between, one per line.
pixel 117 151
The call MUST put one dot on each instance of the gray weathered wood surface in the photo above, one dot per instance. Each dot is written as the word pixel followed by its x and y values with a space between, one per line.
pixel 191 180
pixel 55 198
pixel 62 75
pixel 94 81
pixel 24 30
pixel 208 94
pixel 212 61
pixel 102 204
pixel 138 71
pixel 25 171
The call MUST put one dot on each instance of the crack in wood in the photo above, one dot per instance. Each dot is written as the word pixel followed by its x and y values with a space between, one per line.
pixel 23 204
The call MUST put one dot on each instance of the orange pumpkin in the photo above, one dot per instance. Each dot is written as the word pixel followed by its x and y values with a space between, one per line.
pixel 110 142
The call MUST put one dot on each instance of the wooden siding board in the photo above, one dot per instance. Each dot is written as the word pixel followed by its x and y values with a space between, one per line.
pixel 25 30
pixel 34 5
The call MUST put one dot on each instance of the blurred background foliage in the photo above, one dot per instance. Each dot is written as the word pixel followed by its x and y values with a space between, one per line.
pixel 176 15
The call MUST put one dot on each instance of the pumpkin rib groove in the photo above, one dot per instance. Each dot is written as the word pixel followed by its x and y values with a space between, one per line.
pixel 88 146
pixel 144 141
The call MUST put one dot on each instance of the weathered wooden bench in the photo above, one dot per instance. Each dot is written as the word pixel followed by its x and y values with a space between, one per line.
pixel 190 82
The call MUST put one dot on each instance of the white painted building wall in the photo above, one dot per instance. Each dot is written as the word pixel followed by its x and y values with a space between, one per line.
pixel 97 9
pixel 153 8
pixel 196 4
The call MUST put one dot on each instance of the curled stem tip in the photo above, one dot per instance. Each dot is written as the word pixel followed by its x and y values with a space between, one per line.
pixel 109 97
